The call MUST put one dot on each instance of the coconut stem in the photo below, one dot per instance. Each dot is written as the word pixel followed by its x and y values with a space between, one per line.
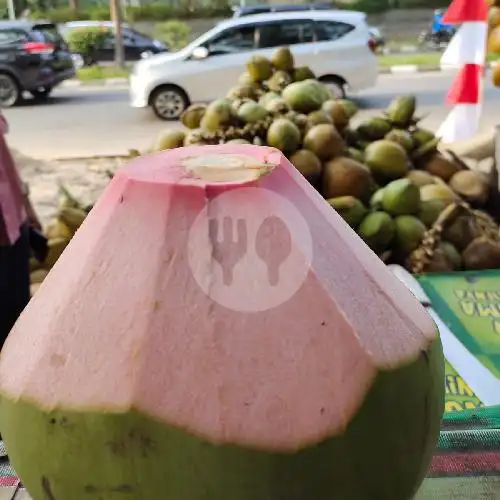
pixel 226 167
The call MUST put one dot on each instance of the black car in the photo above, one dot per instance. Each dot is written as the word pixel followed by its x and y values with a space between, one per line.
pixel 136 45
pixel 33 58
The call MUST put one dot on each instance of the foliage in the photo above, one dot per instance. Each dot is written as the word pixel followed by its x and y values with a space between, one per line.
pixel 147 12
pixel 85 40
pixel 174 33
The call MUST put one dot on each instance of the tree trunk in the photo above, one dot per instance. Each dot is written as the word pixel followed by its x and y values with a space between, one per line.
pixel 116 17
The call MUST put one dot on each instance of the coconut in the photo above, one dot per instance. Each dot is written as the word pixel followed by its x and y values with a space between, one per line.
pixel 282 59
pixel 349 208
pixel 346 177
pixel 437 192
pixel 324 141
pixel 481 254
pixel 439 166
pixel 401 197
pixel 387 159
pixel 409 232
pixel 377 230
pixel 304 96
pixel 191 117
pixel 471 185
pixel 307 163
pixel 251 112
pixel 123 391
pixel 284 135
pixel 420 177
pixel 259 68
pixel 169 139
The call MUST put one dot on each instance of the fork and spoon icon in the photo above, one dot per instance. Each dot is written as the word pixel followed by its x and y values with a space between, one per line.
pixel 230 245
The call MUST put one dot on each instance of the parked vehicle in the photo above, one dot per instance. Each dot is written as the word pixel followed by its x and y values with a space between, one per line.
pixel 377 38
pixel 335 44
pixel 34 58
pixel 251 10
pixel 136 45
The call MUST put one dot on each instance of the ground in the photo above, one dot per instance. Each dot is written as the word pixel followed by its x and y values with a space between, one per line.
pixel 84 178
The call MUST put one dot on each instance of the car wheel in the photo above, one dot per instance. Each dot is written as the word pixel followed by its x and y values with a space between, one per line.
pixel 10 92
pixel 169 102
pixel 41 93
pixel 336 85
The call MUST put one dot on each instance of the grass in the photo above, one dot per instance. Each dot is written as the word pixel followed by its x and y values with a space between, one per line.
pixel 101 72
pixel 420 59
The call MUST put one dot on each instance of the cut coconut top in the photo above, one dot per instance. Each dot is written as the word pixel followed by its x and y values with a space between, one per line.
pixel 140 312
pixel 205 165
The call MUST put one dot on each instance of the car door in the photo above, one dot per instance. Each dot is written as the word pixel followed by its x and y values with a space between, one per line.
pixel 132 46
pixel 106 51
pixel 298 34
pixel 339 49
pixel 210 78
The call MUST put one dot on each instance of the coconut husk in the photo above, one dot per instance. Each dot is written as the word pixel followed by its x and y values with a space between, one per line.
pixel 423 260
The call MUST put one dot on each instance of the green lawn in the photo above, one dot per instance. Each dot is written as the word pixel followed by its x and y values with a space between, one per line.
pixel 420 59
pixel 101 72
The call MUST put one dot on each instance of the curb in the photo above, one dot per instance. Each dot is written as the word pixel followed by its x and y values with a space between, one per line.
pixel 106 82
pixel 395 70
pixel 415 68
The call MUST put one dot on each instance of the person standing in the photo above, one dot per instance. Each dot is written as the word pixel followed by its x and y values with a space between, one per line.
pixel 16 217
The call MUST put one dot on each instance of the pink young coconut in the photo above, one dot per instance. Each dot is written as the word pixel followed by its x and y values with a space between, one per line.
pixel 216 331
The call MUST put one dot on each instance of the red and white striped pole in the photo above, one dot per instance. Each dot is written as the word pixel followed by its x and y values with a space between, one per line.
pixel 466 50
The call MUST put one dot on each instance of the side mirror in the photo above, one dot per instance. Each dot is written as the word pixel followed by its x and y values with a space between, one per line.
pixel 199 53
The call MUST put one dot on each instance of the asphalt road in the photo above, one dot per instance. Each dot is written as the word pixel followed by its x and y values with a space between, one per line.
pixel 99 121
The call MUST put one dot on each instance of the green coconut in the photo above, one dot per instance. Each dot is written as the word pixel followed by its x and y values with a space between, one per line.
pixel 401 110
pixel 429 211
pixel 259 68
pixel 324 141
pixel 251 112
pixel 302 73
pixel 169 139
pixel 268 97
pixel 376 199
pixel 409 233
pixel 307 163
pixel 386 159
pixel 349 208
pixel 305 96
pixel 284 135
pixel 191 117
pixel 218 114
pixel 401 197
pixel 282 59
pixel 377 230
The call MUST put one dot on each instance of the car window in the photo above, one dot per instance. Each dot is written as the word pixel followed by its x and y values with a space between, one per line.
pixel 232 40
pixel 285 33
pixel 331 30
pixel 10 36
pixel 47 33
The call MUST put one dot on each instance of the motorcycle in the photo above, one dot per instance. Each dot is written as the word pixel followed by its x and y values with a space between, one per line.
pixel 439 34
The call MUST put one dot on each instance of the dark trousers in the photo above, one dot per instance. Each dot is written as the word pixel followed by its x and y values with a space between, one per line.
pixel 14 282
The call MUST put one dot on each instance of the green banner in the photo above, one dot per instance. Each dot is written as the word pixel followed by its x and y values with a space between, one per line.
pixel 469 304
pixel 459 396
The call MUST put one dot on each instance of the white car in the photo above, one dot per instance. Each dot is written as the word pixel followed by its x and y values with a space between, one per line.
pixel 335 44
